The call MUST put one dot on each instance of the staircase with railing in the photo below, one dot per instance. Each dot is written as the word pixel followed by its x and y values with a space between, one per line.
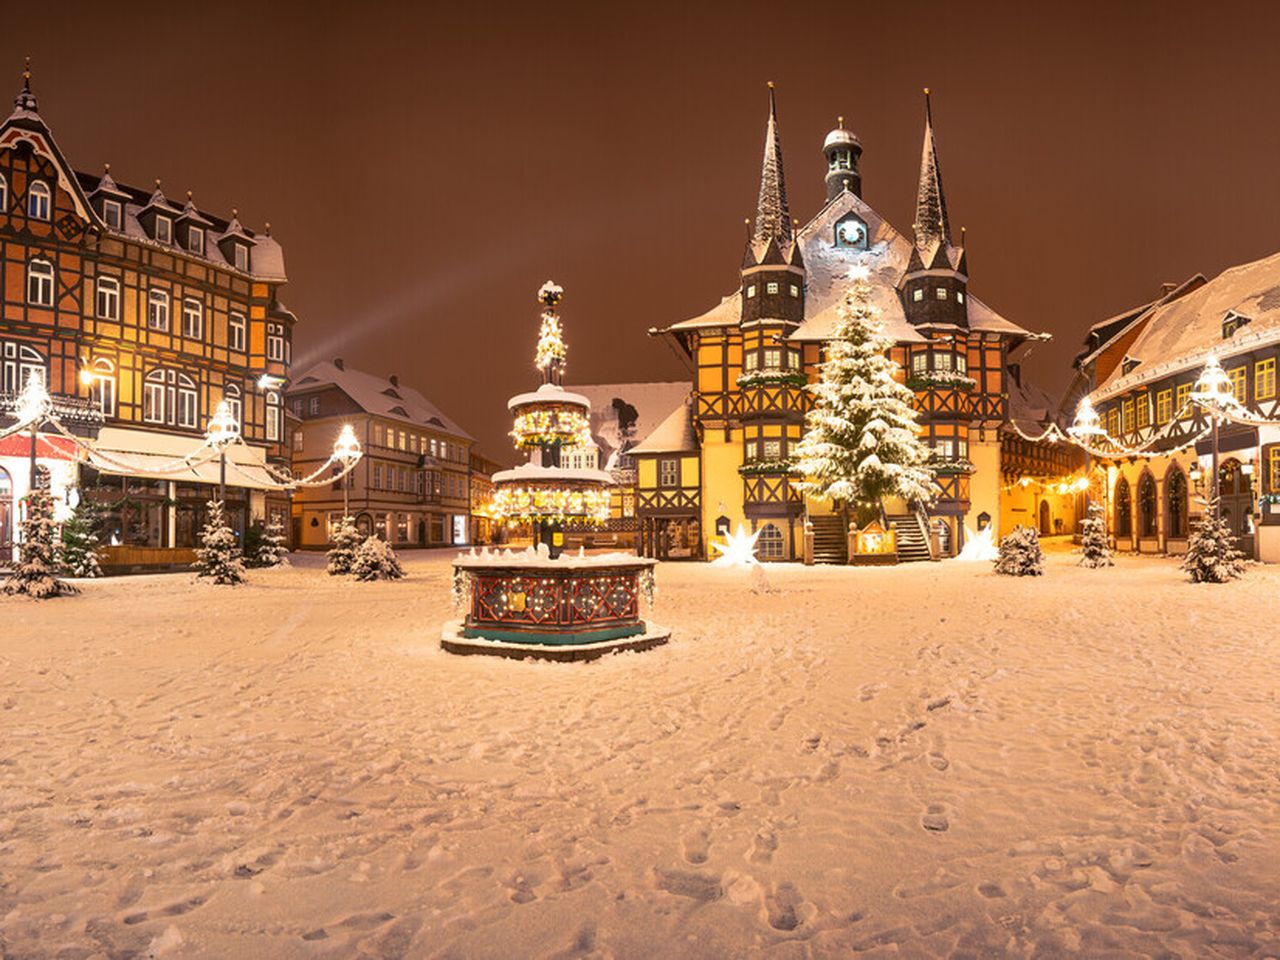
pixel 830 541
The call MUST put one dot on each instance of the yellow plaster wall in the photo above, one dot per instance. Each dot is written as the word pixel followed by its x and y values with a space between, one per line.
pixel 984 484
pixel 721 480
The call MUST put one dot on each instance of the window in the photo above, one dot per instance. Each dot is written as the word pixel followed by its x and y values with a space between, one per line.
pixel 669 473
pixel 1238 385
pixel 170 398
pixel 943 361
pixel 275 341
pixel 962 363
pixel 770 545
pixel 959 296
pixel 751 361
pixel 1232 322
pixel 236 331
pixel 771 287
pixel 4 195
pixel 1182 394
pixel 795 290
pixel 1147 506
pixel 164 229
pixel 772 449
pixel 940 293
pixel 313 406
pixel 113 214
pixel 1128 415
pixel 40 283
pixel 101 378
pixel 773 359
pixel 242 257
pixel 377 476
pixel 1144 410
pixel 944 447
pixel 1175 486
pixel 192 319
pixel 38 201
pixel 195 240
pixel 158 310
pixel 1264 379
pixel 1113 422
pixel 751 291
pixel 273 417
pixel 297 442
pixel 1164 406
pixel 1273 468
pixel 235 403
pixel 793 359
pixel 107 298
pixel 917 294
pixel 919 362
pixel 20 361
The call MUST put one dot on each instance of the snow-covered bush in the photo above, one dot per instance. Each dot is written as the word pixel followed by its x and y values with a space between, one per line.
pixel 35 574
pixel 1094 549
pixel 346 540
pixel 375 560
pixel 1212 555
pixel 79 556
pixel 218 558
pixel 1020 554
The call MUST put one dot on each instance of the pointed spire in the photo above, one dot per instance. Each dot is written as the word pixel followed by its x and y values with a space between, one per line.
pixel 773 218
pixel 931 204
pixel 26 100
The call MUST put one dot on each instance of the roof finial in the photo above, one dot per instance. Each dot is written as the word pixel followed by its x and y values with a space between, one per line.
pixel 26 100
pixel 840 122
pixel 106 167
pixel 266 228
pixel 157 183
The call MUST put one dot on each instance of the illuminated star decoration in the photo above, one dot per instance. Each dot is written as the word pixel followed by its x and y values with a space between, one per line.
pixel 979 546
pixel 738 549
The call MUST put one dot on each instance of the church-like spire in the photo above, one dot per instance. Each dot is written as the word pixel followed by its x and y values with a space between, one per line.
pixel 25 101
pixel 773 218
pixel 931 204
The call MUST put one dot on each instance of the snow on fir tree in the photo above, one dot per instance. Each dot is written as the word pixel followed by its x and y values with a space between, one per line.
pixel 861 442
pixel 1020 554
pixel 36 572
pixel 79 556
pixel 375 560
pixel 346 540
pixel 1212 555
pixel 273 550
pixel 218 557
pixel 1094 548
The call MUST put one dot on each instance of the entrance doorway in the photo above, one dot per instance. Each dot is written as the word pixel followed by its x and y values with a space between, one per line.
pixel 1046 524
pixel 1236 496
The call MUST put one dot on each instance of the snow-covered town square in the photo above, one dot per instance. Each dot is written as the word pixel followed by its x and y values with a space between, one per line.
pixel 1000 768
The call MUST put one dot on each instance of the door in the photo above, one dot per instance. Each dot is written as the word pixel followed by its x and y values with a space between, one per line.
pixel 1045 521
pixel 1236 495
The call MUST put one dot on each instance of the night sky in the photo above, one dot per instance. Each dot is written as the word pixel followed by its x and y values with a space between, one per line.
pixel 427 168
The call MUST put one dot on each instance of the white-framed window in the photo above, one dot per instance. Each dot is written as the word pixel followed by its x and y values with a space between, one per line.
pixel 795 290
pixel 940 293
pixel 377 476
pixel 192 319
pixel 751 291
pixel 751 361
pixel 944 448
pixel 313 406
pixel 771 287
pixel 298 437
pixel 772 449
pixel 170 397
pixel 793 359
pixel 164 229
pixel 959 296
pixel 158 310
pixel 236 332
pixel 669 472
pixel 919 362
pixel 943 360
pixel 102 385
pixel 773 358
pixel 195 239
pixel 107 298
pixel 273 417
pixel 19 361
pixel 235 403
pixel 113 214
pixel 39 200
pixel 275 341
pixel 771 545
pixel 40 283
pixel 242 257
pixel 917 294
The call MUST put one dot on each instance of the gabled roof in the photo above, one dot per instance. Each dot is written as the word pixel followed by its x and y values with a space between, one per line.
pixel 368 392
pixel 673 435
pixel 26 124
pixel 1106 332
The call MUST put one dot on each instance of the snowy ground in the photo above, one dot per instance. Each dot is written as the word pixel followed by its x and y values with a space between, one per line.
pixel 919 761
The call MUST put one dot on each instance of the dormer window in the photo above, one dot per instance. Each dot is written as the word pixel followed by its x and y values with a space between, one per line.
pixel 1232 322
pixel 195 240
pixel 242 257
pixel 113 214
pixel 1128 365
pixel 39 201
pixel 164 229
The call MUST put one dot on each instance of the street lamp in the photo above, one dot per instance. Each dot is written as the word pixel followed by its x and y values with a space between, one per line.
pixel 33 406
pixel 222 432
pixel 1212 391
pixel 346 450
pixel 1085 429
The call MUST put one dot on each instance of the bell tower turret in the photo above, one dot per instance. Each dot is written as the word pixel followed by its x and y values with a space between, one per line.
pixel 842 149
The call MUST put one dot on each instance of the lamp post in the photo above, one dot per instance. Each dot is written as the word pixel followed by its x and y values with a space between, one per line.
pixel 346 449
pixel 1212 390
pixel 1084 429
pixel 222 432
pixel 33 405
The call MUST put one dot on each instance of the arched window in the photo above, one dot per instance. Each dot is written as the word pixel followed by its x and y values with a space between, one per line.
pixel 770 545
pixel 1147 505
pixel 235 402
pixel 1175 494
pixel 18 361
pixel 170 398
pixel 40 283
pixel 273 417
pixel 100 377
pixel 1124 510
pixel 39 200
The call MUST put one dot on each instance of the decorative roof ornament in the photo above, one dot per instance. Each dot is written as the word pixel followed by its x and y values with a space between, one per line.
pixel 773 218
pixel 25 101
pixel 931 224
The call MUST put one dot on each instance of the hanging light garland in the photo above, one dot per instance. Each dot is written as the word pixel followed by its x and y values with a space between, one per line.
pixel 544 424
pixel 552 504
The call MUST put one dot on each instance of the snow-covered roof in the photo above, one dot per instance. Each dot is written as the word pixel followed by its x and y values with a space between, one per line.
pixel 1108 331
pixel 624 414
pixel 379 396
pixel 1184 332
pixel 827 278
pixel 548 393
pixel 673 435
pixel 533 472
pixel 1030 407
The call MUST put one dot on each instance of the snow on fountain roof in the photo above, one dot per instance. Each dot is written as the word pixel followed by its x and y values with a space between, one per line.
pixel 532 471
pixel 539 558
pixel 548 393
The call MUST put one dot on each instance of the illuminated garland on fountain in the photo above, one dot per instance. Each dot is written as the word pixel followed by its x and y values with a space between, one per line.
pixel 537 426
pixel 552 504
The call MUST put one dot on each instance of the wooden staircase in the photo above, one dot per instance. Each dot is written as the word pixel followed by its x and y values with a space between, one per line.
pixel 913 538
pixel 830 543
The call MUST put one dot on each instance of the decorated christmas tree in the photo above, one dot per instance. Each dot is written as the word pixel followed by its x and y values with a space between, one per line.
pixel 375 560
pixel 79 556
pixel 218 558
pixel 1212 555
pixel 1020 554
pixel 1094 549
pixel 273 550
pixel 860 442
pixel 346 540
pixel 35 574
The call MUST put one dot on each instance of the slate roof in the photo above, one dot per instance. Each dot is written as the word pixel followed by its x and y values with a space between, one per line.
pixel 379 396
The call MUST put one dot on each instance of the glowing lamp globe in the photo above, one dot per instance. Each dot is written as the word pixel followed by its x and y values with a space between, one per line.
pixel 1087 423
pixel 223 428
pixel 346 448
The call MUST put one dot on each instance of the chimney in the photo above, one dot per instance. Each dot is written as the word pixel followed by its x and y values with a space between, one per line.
pixel 1167 288
pixel 395 381
pixel 337 362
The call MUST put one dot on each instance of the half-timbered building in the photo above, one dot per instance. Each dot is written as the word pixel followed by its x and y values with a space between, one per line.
pixel 754 352
pixel 145 312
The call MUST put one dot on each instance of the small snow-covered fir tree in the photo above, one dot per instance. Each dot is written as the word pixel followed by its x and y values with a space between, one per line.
pixel 346 540
pixel 218 558
pixel 1094 548
pixel 273 550
pixel 860 442
pixel 36 572
pixel 375 560
pixel 79 556
pixel 1020 554
pixel 1212 555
